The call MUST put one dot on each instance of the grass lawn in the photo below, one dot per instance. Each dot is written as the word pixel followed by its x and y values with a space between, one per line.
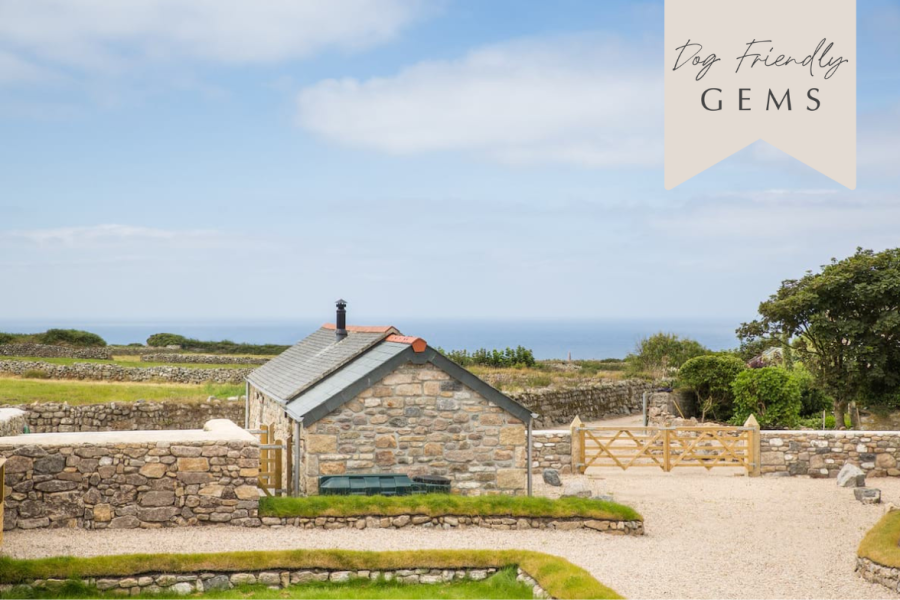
pixel 24 391
pixel 501 585
pixel 882 543
pixel 123 361
pixel 558 576
pixel 435 505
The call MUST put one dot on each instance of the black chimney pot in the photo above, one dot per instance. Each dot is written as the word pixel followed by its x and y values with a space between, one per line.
pixel 340 330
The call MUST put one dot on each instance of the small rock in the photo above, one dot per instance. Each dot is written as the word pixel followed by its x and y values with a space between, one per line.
pixel 551 477
pixel 577 489
pixel 851 476
pixel 868 495
pixel 182 589
pixel 604 497
pixel 219 582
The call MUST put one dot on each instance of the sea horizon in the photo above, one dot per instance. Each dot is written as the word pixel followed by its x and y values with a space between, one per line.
pixel 548 339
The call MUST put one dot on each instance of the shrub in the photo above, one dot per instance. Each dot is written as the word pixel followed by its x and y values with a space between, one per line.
pixel 55 337
pixel 35 374
pixel 8 338
pixel 161 340
pixel 661 353
pixel 813 399
pixel 710 377
pixel 510 357
pixel 770 393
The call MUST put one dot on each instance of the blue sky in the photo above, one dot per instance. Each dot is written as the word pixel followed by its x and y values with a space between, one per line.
pixel 222 159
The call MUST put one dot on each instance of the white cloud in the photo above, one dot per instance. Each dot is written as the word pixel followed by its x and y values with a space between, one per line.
pixel 575 100
pixel 15 70
pixel 111 234
pixel 113 34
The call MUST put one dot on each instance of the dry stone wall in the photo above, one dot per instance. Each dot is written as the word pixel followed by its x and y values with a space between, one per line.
pixel 50 351
pixel 552 449
pixel 12 421
pixel 823 453
pixel 203 359
pixel 113 372
pixel 54 417
pixel 418 420
pixel 140 479
pixel 558 407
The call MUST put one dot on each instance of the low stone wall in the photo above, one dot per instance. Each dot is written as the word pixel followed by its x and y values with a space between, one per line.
pixel 188 583
pixel 203 359
pixel 12 421
pixel 113 372
pixel 49 351
pixel 139 479
pixel 603 400
pixel 823 453
pixel 458 522
pixel 552 449
pixel 54 417
pixel 873 572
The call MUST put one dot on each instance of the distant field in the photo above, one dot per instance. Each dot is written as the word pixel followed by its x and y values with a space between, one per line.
pixel 124 361
pixel 547 374
pixel 24 391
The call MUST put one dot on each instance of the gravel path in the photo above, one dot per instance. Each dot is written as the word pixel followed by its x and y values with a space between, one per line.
pixel 709 535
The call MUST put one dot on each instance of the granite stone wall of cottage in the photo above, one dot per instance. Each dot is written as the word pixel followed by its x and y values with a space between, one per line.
pixel 418 420
pixel 50 351
pixel 53 417
pixel 113 372
pixel 139 479
pixel 559 407
pixel 266 411
pixel 551 449
pixel 202 359
pixel 821 454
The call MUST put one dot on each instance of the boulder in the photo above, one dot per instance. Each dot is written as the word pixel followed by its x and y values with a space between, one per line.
pixel 576 488
pixel 851 476
pixel 868 495
pixel 551 477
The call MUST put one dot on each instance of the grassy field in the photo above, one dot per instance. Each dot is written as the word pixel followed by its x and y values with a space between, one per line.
pixel 435 505
pixel 501 585
pixel 550 373
pixel 14 390
pixel 123 361
pixel 559 577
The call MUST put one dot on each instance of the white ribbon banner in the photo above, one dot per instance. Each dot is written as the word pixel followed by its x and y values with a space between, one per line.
pixel 783 71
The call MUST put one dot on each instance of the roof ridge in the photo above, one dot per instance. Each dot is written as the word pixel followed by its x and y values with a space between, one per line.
pixel 364 328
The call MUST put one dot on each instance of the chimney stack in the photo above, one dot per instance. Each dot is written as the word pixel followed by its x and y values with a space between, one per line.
pixel 340 330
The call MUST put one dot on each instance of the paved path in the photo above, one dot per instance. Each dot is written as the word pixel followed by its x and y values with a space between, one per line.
pixel 709 535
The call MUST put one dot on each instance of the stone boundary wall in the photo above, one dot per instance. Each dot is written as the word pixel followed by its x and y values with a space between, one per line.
pixel 558 407
pixel 206 581
pixel 140 350
pixel 49 351
pixel 552 449
pixel 112 372
pixel 458 522
pixel 137 479
pixel 873 572
pixel 12 421
pixel 821 454
pixel 202 359
pixel 55 417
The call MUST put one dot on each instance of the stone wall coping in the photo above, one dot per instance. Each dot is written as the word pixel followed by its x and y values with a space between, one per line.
pixel 551 432
pixel 7 414
pixel 216 430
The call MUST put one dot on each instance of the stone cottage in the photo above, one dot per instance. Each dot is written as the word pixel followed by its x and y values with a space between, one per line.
pixel 359 400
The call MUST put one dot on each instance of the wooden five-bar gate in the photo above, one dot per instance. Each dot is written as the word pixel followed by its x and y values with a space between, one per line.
pixel 666 447
pixel 274 462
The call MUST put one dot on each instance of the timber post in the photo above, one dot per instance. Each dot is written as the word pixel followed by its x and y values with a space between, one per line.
pixel 753 446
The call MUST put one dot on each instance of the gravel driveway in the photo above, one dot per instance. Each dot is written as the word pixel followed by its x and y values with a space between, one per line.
pixel 709 535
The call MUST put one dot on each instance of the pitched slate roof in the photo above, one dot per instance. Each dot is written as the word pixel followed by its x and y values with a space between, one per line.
pixel 319 374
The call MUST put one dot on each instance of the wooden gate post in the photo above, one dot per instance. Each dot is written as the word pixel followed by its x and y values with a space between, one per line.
pixel 577 437
pixel 753 447
pixel 667 451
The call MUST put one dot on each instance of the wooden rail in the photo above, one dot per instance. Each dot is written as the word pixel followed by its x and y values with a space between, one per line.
pixel 271 461
pixel 666 447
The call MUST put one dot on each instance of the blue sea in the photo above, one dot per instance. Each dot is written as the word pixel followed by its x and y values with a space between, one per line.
pixel 592 339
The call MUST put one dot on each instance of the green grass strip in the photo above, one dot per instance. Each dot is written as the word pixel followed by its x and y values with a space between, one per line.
pixel 559 577
pixel 882 543
pixel 436 505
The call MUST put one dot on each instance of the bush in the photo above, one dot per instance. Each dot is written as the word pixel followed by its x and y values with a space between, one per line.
pixel 35 374
pixel 161 340
pixel 8 338
pixel 518 357
pixel 813 399
pixel 772 394
pixel 661 353
pixel 710 377
pixel 55 337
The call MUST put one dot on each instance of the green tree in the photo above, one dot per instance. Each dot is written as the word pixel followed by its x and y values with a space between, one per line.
pixel 710 378
pixel 845 323
pixel 771 394
pixel 659 355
